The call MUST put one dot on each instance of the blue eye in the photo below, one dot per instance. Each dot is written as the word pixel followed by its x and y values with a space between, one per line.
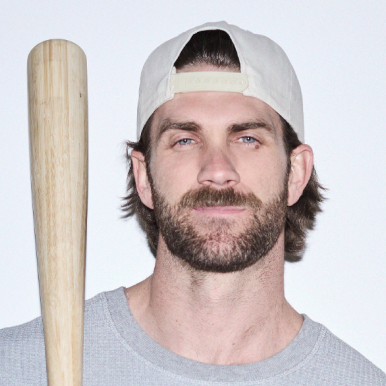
pixel 248 139
pixel 185 141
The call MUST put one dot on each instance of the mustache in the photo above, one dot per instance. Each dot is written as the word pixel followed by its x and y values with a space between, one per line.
pixel 208 197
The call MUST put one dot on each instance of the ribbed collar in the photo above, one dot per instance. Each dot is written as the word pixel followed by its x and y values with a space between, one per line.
pixel 135 339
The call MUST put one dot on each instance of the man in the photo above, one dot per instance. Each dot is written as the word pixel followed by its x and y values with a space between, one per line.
pixel 225 191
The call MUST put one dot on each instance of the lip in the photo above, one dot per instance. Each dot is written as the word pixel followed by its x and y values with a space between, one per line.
pixel 220 210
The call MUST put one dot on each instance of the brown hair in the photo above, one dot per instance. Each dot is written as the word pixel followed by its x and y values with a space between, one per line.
pixel 301 216
pixel 216 48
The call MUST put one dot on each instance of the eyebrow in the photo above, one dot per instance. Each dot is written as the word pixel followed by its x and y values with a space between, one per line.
pixel 167 125
pixel 256 124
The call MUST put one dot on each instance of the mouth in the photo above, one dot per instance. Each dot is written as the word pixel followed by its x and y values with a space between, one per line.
pixel 219 210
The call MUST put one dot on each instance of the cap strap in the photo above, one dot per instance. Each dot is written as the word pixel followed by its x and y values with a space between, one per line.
pixel 208 81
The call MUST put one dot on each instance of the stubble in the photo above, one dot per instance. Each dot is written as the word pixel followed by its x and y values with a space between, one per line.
pixel 214 244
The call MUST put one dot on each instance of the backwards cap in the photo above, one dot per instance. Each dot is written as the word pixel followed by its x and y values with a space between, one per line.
pixel 265 74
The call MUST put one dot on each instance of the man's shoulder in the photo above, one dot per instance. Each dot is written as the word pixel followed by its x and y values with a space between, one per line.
pixel 17 337
pixel 33 330
pixel 22 353
pixel 22 359
pixel 335 359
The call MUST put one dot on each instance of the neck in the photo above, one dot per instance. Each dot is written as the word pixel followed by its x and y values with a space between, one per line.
pixel 231 318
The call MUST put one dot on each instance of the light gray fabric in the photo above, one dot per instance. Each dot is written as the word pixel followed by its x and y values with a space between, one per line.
pixel 118 352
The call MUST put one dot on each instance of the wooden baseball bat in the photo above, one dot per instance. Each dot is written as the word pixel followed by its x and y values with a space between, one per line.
pixel 58 135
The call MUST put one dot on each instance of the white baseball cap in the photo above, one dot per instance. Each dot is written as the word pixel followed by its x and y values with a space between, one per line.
pixel 265 73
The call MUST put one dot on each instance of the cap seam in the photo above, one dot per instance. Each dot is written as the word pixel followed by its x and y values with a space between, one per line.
pixel 290 96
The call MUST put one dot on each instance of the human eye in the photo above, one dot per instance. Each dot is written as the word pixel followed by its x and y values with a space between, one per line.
pixel 184 141
pixel 248 139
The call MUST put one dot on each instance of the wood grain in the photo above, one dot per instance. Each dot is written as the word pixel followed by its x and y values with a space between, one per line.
pixel 58 133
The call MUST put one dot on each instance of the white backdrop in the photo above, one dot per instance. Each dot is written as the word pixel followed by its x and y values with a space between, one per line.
pixel 338 49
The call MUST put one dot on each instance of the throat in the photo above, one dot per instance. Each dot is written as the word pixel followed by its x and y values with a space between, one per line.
pixel 231 318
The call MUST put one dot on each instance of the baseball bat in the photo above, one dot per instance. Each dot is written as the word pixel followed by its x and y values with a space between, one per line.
pixel 58 138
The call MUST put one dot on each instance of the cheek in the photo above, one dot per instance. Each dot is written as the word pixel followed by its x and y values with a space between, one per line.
pixel 174 177
pixel 263 175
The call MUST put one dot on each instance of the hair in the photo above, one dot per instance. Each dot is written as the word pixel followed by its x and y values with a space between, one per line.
pixel 214 47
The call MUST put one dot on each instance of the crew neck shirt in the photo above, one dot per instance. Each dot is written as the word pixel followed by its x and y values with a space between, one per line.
pixel 118 352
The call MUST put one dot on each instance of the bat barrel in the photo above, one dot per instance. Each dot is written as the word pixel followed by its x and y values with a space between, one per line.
pixel 58 134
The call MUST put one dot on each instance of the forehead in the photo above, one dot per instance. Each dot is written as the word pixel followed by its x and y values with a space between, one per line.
pixel 213 110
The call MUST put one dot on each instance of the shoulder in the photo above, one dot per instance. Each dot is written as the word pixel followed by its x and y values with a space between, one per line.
pixel 22 353
pixel 27 330
pixel 33 331
pixel 18 337
pixel 333 359
pixel 22 360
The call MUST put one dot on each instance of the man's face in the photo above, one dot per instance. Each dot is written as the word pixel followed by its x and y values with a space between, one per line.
pixel 219 179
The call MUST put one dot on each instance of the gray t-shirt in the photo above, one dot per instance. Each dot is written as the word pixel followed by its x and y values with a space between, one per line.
pixel 117 352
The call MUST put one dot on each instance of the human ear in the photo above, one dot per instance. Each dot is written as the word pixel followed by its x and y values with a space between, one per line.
pixel 302 162
pixel 141 179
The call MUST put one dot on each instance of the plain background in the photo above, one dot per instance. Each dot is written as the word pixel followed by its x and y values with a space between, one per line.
pixel 338 49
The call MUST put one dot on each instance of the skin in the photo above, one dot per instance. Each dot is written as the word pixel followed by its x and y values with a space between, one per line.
pixel 232 318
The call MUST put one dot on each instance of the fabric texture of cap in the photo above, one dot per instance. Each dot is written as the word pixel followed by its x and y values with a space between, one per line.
pixel 271 77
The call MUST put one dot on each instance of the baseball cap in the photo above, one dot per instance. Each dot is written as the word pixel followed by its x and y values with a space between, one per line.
pixel 265 73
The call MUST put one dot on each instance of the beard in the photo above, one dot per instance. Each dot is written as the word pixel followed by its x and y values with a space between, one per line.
pixel 220 244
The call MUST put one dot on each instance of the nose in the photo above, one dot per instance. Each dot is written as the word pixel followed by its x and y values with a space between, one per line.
pixel 217 170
